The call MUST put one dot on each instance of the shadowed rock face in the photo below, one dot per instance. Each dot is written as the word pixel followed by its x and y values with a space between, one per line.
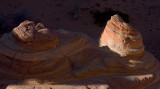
pixel 122 38
pixel 32 51
pixel 32 54
pixel 35 36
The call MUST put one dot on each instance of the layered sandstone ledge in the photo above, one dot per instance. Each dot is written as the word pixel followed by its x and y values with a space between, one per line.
pixel 32 55
pixel 122 38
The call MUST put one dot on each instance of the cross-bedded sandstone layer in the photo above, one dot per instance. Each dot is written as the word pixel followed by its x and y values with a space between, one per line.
pixel 122 38
pixel 33 54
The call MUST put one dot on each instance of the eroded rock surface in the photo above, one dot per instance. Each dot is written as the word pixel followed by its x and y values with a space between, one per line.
pixel 35 37
pixel 122 38
pixel 34 55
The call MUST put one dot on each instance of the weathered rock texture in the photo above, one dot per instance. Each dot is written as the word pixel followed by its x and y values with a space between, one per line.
pixel 32 55
pixel 35 37
pixel 122 38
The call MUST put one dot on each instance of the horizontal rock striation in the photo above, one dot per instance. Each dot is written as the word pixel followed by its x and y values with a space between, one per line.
pixel 122 38
pixel 33 55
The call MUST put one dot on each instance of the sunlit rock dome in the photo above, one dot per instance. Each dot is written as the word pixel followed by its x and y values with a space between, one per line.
pixel 122 38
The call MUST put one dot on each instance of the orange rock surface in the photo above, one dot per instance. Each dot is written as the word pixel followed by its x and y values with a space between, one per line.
pixel 33 36
pixel 122 38
pixel 33 55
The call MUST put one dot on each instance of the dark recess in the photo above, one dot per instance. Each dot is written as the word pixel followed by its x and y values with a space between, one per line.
pixel 10 21
pixel 101 18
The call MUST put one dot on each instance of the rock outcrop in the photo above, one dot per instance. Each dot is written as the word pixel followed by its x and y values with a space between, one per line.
pixel 33 36
pixel 122 38
pixel 32 54
pixel 33 51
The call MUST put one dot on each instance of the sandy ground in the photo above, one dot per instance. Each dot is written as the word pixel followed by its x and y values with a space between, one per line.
pixel 143 14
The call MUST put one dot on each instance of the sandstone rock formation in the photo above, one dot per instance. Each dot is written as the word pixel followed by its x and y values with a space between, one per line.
pixel 32 36
pixel 33 51
pixel 122 38
pixel 32 54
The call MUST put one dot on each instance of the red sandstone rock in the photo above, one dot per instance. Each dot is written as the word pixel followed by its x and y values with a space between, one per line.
pixel 33 36
pixel 77 60
pixel 122 38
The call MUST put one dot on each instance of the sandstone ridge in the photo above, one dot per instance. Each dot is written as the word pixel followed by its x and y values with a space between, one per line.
pixel 34 55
